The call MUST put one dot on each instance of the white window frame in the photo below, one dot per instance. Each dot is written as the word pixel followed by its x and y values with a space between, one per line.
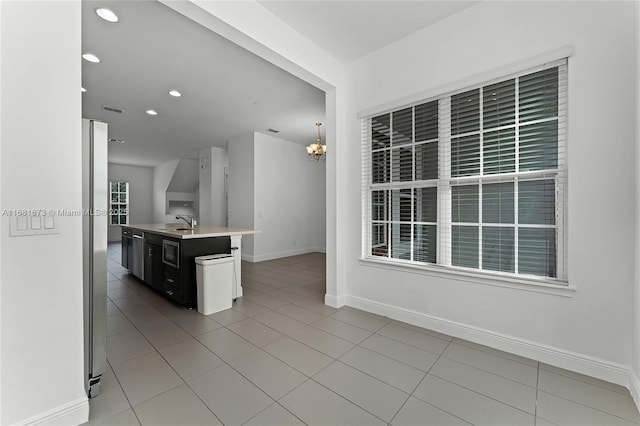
pixel 444 185
pixel 117 210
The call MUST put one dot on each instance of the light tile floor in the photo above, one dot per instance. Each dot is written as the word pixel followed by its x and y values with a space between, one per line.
pixel 282 357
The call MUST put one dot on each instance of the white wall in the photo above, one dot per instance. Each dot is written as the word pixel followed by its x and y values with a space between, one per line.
pixel 183 186
pixel 140 194
pixel 289 199
pixel 162 175
pixel 274 188
pixel 251 26
pixel 241 189
pixel 589 330
pixel 42 304
pixel 213 203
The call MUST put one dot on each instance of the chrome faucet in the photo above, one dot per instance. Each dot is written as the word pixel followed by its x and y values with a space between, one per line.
pixel 190 220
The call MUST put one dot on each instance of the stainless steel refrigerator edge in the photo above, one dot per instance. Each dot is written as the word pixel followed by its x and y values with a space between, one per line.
pixel 94 254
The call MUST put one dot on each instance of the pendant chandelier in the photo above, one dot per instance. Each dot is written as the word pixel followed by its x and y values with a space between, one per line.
pixel 317 151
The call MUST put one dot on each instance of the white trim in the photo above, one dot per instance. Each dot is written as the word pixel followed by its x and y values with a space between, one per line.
pixel 466 83
pixel 72 413
pixel 333 301
pixel 476 277
pixel 634 387
pixel 584 364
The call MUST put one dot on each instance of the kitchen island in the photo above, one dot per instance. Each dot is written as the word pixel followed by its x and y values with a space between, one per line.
pixel 163 255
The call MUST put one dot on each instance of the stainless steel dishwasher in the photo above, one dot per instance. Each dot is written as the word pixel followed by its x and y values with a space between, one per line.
pixel 138 254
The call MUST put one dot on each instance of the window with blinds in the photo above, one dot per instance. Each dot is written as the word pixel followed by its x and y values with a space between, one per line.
pixel 473 179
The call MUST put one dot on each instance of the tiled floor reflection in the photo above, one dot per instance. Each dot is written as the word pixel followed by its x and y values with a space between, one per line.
pixel 282 357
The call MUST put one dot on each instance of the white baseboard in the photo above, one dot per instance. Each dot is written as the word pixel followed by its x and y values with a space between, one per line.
pixel 558 357
pixel 634 387
pixel 278 255
pixel 72 413
pixel 333 301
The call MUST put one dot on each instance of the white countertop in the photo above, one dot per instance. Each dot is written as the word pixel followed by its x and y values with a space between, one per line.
pixel 171 230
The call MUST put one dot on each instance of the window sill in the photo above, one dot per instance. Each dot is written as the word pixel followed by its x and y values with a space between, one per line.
pixel 546 286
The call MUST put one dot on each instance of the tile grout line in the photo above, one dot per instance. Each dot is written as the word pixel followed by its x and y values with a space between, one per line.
pixel 276 401
pixel 426 332
pixel 182 379
pixel 535 408
pixel 418 385
pixel 344 322
pixel 482 394
pixel 342 396
pixel 584 382
pixel 116 376
pixel 170 366
pixel 590 407
pixel 334 360
pixel 491 372
pixel 227 363
pixel 368 375
pixel 125 396
pixel 479 349
pixel 413 346
pixel 377 378
pixel 308 377
pixel 281 406
pixel 391 358
pixel 189 385
pixel 143 296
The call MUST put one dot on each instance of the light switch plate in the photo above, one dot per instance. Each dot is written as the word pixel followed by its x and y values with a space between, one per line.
pixel 33 225
pixel 22 223
pixel 36 222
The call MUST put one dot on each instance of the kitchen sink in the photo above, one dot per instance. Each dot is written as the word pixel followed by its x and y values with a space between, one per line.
pixel 176 229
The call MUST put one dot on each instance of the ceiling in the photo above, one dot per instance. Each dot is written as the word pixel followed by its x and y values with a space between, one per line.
pixel 226 91
pixel 348 30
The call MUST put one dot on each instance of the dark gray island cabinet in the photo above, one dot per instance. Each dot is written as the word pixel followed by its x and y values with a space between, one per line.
pixel 163 256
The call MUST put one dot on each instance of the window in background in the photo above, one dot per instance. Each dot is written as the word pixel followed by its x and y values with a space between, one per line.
pixel 119 203
pixel 473 180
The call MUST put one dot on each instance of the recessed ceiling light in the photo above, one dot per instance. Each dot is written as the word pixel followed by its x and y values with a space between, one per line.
pixel 107 14
pixel 82 89
pixel 90 57
pixel 175 93
pixel 151 112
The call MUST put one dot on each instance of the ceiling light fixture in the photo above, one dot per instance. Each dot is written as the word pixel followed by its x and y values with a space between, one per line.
pixel 90 57
pixel 151 112
pixel 317 151
pixel 175 93
pixel 107 14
